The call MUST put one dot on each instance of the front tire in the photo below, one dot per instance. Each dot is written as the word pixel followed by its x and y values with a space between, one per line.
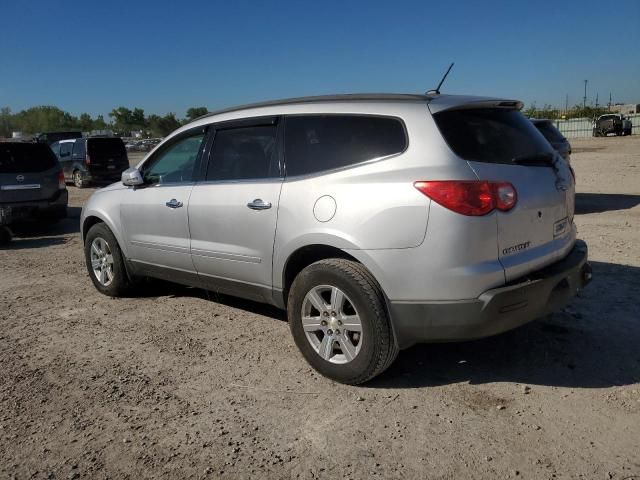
pixel 105 262
pixel 338 320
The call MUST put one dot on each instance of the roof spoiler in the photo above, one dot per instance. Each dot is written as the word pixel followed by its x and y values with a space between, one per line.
pixel 455 102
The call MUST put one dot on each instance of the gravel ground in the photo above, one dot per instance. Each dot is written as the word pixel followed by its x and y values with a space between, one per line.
pixel 181 383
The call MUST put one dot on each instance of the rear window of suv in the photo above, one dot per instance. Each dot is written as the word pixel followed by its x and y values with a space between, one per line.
pixel 549 131
pixel 112 147
pixel 26 158
pixel 491 135
pixel 315 143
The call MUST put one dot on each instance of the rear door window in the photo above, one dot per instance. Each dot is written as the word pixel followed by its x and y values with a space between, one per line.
pixel 315 143
pixel 78 151
pixel 244 153
pixel 26 158
pixel 491 135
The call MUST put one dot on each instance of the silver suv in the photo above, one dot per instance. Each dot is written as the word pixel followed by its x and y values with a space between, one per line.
pixel 376 221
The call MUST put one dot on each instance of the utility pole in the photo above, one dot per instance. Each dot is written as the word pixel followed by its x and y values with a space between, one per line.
pixel 584 99
pixel 596 99
pixel 609 101
pixel 566 103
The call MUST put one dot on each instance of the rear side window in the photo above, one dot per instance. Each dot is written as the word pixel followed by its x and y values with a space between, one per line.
pixel 244 154
pixel 490 135
pixel 26 158
pixel 78 149
pixel 65 149
pixel 549 132
pixel 112 147
pixel 314 143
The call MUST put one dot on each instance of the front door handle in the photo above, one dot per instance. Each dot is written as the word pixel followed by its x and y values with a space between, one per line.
pixel 258 204
pixel 173 203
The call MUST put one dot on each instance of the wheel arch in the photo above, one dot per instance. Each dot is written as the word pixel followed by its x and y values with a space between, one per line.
pixel 92 218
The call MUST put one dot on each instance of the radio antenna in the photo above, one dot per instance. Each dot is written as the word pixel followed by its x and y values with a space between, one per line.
pixel 437 90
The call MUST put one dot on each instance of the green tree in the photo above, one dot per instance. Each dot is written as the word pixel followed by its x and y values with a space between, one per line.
pixel 99 123
pixel 122 120
pixel 195 112
pixel 163 126
pixel 44 119
pixel 85 122
pixel 6 122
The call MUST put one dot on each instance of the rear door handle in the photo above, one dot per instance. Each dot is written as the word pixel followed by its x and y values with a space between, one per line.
pixel 258 204
pixel 173 203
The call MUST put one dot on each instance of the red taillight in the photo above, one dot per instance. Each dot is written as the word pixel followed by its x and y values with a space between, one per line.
pixel 87 159
pixel 61 183
pixel 472 198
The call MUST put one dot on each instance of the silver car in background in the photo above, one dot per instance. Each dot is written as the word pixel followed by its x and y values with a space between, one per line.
pixel 376 221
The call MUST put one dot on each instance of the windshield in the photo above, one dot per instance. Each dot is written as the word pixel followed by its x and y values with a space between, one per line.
pixel 492 135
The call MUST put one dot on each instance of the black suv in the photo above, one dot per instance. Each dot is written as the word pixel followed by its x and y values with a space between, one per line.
pixel 92 160
pixel 609 123
pixel 558 141
pixel 32 186
pixel 51 137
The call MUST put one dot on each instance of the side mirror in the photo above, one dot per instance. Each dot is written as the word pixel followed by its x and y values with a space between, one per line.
pixel 132 177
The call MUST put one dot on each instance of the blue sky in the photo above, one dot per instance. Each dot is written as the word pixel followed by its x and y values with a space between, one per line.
pixel 92 56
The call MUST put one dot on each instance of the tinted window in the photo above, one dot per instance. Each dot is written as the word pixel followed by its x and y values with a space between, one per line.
pixel 490 135
pixel 175 162
pixel 55 148
pixel 65 149
pixel 549 132
pixel 323 142
pixel 78 149
pixel 243 154
pixel 111 147
pixel 26 158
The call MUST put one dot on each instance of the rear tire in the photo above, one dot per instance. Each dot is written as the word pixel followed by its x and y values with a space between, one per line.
pixel 5 235
pixel 105 262
pixel 338 320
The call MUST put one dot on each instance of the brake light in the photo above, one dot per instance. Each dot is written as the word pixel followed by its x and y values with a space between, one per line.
pixel 87 159
pixel 473 198
pixel 61 183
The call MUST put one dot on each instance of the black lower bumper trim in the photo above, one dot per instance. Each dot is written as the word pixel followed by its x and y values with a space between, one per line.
pixel 496 310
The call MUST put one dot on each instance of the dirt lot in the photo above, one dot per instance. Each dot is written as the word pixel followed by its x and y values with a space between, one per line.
pixel 181 383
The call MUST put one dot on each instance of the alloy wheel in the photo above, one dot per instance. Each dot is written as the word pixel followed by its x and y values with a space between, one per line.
pixel 331 324
pixel 102 261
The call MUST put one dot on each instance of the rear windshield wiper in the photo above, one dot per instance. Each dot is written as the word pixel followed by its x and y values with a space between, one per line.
pixel 533 159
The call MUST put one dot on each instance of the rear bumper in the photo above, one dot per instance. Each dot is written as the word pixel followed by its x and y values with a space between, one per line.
pixel 24 211
pixel 496 310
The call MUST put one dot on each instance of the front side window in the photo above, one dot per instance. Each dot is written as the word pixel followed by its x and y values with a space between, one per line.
pixel 174 163
pixel 314 143
pixel 243 154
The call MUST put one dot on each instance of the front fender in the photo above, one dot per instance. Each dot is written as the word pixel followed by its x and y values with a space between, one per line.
pixel 110 217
